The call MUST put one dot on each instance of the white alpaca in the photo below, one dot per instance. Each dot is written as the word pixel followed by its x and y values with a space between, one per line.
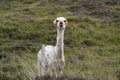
pixel 51 59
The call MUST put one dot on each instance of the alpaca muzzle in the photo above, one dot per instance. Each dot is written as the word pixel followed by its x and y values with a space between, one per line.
pixel 61 24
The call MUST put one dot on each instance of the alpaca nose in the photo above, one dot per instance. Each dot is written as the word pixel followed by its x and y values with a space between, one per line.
pixel 61 23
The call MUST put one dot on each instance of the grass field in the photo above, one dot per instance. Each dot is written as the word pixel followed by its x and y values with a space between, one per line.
pixel 92 37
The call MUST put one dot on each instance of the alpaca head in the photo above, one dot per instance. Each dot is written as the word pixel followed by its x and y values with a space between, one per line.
pixel 60 22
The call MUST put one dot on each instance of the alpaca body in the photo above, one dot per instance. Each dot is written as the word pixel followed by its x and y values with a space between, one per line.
pixel 51 58
pixel 49 62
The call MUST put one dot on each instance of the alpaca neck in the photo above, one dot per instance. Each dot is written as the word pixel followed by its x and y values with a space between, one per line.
pixel 60 43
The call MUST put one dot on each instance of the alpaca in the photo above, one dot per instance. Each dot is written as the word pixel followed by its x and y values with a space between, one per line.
pixel 51 59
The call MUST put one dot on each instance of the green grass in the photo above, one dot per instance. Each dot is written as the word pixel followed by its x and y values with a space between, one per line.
pixel 92 37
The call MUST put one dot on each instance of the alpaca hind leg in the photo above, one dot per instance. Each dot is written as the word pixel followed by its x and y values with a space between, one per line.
pixel 39 70
pixel 42 71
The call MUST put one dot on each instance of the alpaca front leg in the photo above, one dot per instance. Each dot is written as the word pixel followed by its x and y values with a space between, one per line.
pixel 60 72
pixel 56 75
pixel 54 71
pixel 60 68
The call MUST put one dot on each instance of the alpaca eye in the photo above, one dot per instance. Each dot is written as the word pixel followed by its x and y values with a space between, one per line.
pixel 56 20
pixel 65 21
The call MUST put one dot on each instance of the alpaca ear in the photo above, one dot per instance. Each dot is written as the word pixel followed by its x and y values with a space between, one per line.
pixel 54 21
pixel 66 21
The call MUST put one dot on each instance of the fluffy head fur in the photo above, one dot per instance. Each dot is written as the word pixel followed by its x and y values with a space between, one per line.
pixel 60 22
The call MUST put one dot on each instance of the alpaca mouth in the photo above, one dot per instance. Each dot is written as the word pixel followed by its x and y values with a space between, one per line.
pixel 61 26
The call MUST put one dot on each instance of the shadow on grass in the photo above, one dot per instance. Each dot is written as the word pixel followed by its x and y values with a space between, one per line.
pixel 64 77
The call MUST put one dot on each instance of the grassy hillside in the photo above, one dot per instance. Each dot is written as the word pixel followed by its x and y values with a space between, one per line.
pixel 92 37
